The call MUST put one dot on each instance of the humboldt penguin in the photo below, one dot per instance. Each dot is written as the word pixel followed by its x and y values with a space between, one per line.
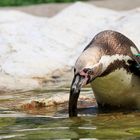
pixel 111 64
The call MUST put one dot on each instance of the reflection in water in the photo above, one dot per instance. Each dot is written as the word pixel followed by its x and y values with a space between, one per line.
pixel 103 126
pixel 90 125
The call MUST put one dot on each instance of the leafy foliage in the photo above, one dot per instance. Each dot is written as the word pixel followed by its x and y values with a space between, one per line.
pixel 29 2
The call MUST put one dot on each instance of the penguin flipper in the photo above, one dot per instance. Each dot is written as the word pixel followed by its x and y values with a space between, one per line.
pixel 135 66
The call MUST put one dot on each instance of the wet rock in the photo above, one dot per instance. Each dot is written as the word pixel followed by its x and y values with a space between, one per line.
pixel 33 104
pixel 58 101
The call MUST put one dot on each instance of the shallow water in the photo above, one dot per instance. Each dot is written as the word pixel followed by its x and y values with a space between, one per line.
pixel 109 126
pixel 53 123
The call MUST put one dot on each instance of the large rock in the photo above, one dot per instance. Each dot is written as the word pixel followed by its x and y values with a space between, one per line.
pixel 33 48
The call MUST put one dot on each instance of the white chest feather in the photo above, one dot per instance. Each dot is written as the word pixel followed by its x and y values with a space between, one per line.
pixel 118 89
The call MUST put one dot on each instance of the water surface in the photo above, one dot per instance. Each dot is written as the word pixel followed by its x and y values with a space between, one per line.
pixel 54 123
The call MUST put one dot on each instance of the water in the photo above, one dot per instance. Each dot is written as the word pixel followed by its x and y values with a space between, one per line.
pixel 54 123
pixel 105 126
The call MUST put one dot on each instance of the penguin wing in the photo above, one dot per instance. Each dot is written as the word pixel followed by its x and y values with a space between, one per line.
pixel 137 70
pixel 135 65
pixel 137 58
pixel 138 63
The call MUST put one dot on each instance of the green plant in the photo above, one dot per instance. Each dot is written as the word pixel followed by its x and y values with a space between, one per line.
pixel 29 2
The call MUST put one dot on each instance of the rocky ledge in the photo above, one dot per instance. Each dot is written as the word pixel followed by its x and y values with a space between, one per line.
pixel 37 50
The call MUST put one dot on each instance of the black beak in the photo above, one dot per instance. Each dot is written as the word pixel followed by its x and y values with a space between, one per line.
pixel 74 94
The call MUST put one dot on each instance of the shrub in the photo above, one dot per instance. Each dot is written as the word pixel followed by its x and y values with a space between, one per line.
pixel 29 2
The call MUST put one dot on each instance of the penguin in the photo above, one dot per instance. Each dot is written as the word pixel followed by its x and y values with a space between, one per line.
pixel 111 64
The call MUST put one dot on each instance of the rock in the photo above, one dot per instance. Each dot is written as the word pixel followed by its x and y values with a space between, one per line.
pixel 32 105
pixel 35 49
pixel 58 101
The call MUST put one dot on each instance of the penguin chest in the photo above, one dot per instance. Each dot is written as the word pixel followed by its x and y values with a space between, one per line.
pixel 118 88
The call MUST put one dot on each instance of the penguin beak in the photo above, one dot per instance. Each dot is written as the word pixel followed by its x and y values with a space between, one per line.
pixel 77 83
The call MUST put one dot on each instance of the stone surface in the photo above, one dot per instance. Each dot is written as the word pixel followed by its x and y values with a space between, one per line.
pixel 51 9
pixel 33 49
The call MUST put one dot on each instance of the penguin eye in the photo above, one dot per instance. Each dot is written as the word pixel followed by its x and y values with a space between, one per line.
pixel 85 70
pixel 88 71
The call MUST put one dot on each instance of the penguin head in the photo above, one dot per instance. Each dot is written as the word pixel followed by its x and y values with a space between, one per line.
pixel 87 68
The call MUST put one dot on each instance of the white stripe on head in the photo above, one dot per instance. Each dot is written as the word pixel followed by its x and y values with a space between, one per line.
pixel 134 50
pixel 106 60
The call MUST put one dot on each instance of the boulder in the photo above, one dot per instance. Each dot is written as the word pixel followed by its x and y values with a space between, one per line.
pixel 32 49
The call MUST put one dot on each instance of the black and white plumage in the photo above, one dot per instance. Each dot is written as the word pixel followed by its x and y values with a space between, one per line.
pixel 110 64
